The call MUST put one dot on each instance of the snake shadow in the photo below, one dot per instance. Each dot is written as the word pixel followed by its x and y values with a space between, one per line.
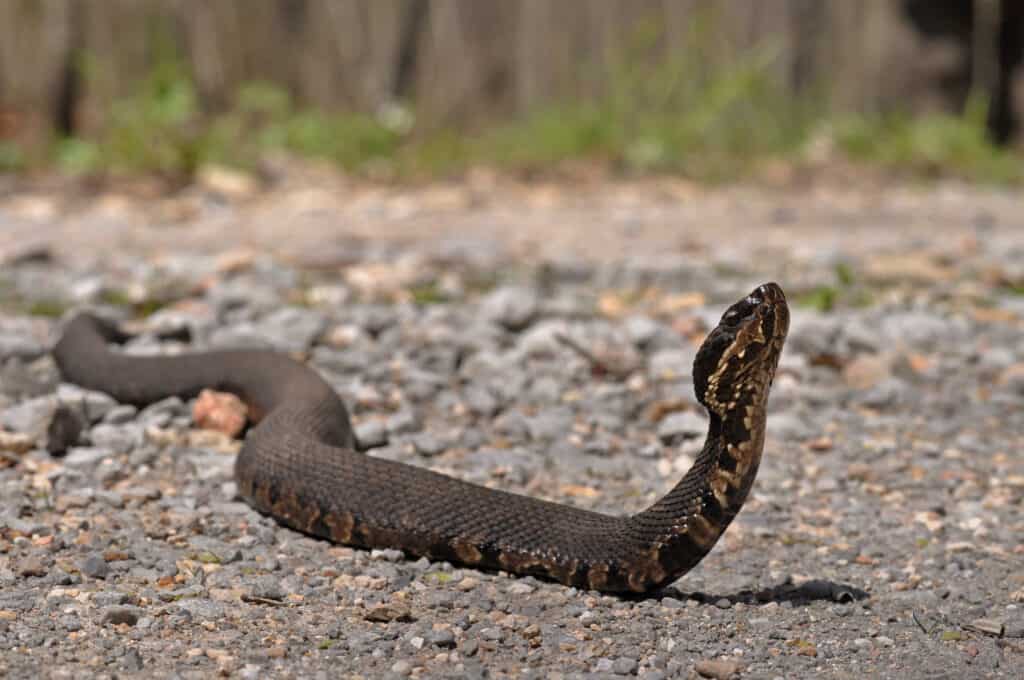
pixel 814 590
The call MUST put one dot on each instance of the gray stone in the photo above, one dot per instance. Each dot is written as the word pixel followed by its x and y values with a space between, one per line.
pixel 94 566
pixel 31 417
pixel 71 623
pixel 858 335
pixel 550 424
pixel 371 434
pixel 22 380
pixel 675 427
pixel 267 588
pixel 513 425
pixel 132 661
pixel 492 634
pixel 624 666
pixel 545 389
pixel 443 638
pixel 292 329
pixel 121 614
pixel 641 330
pixel 542 339
pixel 117 438
pixel 923 331
pixel 672 364
pixel 789 427
pixel 428 445
pixel 520 588
pixel 480 401
pixel 121 414
pixel 86 457
pixel 95 406
pixel 110 498
pixel 890 392
pixel 512 307
pixel 160 414
pixel 19 346
pixel 387 555
pixel 201 608
pixel 109 598
pixel 403 421
pixel 239 336
pixel 32 566
pixel 812 334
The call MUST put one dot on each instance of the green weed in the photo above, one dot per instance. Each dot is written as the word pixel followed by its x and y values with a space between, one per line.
pixel 689 112
pixel 844 292
pixel 428 294
pixel 930 145
pixel 11 157
pixel 143 308
pixel 53 309
pixel 696 110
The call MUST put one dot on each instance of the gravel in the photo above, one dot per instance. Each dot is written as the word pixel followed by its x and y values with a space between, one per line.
pixel 881 539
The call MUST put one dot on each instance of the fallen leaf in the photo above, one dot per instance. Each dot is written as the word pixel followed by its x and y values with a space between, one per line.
pixel 677 302
pixel 579 491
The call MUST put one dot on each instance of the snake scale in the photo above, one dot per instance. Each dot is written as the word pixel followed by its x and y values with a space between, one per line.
pixel 300 465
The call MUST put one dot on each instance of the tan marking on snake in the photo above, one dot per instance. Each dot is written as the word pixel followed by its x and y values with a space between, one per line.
pixel 703 532
pixel 467 552
pixel 597 576
pixel 340 525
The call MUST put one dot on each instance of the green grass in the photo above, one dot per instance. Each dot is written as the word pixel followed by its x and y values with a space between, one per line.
pixel 53 309
pixel 930 145
pixel 844 292
pixel 693 113
pixel 143 308
pixel 686 114
pixel 12 158
pixel 428 294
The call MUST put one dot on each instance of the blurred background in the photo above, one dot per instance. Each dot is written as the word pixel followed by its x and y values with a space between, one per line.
pixel 393 88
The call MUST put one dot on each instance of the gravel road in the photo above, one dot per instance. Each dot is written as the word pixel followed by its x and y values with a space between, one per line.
pixel 883 537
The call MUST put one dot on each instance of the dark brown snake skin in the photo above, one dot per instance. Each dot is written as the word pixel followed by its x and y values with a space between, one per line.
pixel 299 463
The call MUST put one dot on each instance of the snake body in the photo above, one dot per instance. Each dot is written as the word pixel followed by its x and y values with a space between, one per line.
pixel 299 462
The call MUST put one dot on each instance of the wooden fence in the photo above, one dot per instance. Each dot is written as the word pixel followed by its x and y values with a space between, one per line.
pixel 63 61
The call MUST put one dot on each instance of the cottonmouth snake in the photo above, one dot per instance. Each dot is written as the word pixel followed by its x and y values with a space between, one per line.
pixel 299 463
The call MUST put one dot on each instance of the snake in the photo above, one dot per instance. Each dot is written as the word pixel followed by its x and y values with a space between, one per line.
pixel 300 462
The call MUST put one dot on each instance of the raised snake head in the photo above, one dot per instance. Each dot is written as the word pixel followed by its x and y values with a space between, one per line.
pixel 736 364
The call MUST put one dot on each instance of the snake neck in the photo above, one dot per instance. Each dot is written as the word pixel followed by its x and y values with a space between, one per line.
pixel 712 492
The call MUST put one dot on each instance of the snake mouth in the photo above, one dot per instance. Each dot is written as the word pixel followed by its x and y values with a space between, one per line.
pixel 772 310
pixel 770 293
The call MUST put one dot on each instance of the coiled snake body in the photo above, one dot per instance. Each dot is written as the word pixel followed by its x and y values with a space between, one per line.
pixel 299 463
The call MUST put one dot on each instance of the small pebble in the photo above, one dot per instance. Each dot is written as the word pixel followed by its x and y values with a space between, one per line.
pixel 94 566
pixel 717 669
pixel 121 615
